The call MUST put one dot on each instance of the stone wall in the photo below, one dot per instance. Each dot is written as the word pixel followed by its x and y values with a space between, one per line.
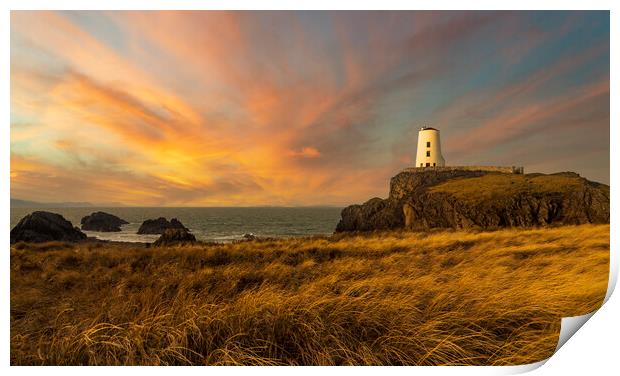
pixel 502 169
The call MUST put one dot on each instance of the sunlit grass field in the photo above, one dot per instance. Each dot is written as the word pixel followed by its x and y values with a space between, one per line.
pixel 394 298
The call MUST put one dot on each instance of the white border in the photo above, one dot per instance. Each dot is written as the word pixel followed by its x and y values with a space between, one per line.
pixel 595 346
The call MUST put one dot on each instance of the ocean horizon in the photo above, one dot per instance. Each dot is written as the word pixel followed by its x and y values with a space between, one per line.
pixel 219 224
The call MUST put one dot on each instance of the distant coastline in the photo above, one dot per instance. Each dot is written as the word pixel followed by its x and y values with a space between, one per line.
pixel 19 203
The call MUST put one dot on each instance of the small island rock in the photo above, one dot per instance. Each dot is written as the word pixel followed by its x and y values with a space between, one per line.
pixel 157 226
pixel 42 226
pixel 103 222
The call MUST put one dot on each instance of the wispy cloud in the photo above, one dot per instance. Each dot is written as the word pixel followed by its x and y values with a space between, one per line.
pixel 292 108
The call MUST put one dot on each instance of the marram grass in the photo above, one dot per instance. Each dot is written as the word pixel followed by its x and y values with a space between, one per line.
pixel 394 298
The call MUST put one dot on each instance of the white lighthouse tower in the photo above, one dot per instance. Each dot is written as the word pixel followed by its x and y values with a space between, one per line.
pixel 429 149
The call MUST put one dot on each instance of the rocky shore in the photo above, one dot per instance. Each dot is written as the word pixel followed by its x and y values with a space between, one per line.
pixel 477 198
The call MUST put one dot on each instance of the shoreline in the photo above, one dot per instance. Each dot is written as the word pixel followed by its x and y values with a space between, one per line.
pixel 335 236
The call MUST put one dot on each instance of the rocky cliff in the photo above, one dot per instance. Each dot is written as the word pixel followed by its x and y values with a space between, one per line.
pixel 469 198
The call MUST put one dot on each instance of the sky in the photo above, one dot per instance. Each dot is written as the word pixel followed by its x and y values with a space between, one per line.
pixel 210 108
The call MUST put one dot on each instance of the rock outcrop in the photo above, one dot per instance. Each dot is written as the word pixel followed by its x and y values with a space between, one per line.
pixel 453 198
pixel 174 236
pixel 157 226
pixel 104 222
pixel 42 226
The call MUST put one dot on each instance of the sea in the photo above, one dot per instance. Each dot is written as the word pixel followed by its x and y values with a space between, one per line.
pixel 207 224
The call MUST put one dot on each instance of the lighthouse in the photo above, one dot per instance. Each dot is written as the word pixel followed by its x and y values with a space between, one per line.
pixel 429 149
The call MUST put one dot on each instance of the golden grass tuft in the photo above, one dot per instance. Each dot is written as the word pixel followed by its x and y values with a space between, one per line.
pixel 395 298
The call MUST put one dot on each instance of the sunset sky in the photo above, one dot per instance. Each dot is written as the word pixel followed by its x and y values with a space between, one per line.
pixel 295 108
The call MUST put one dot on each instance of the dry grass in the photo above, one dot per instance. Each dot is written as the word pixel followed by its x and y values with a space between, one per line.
pixel 439 298
pixel 493 186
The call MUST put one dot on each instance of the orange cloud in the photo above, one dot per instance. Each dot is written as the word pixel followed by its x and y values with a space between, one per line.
pixel 171 163
pixel 306 152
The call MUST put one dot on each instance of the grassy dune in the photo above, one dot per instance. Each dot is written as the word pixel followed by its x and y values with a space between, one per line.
pixel 439 298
